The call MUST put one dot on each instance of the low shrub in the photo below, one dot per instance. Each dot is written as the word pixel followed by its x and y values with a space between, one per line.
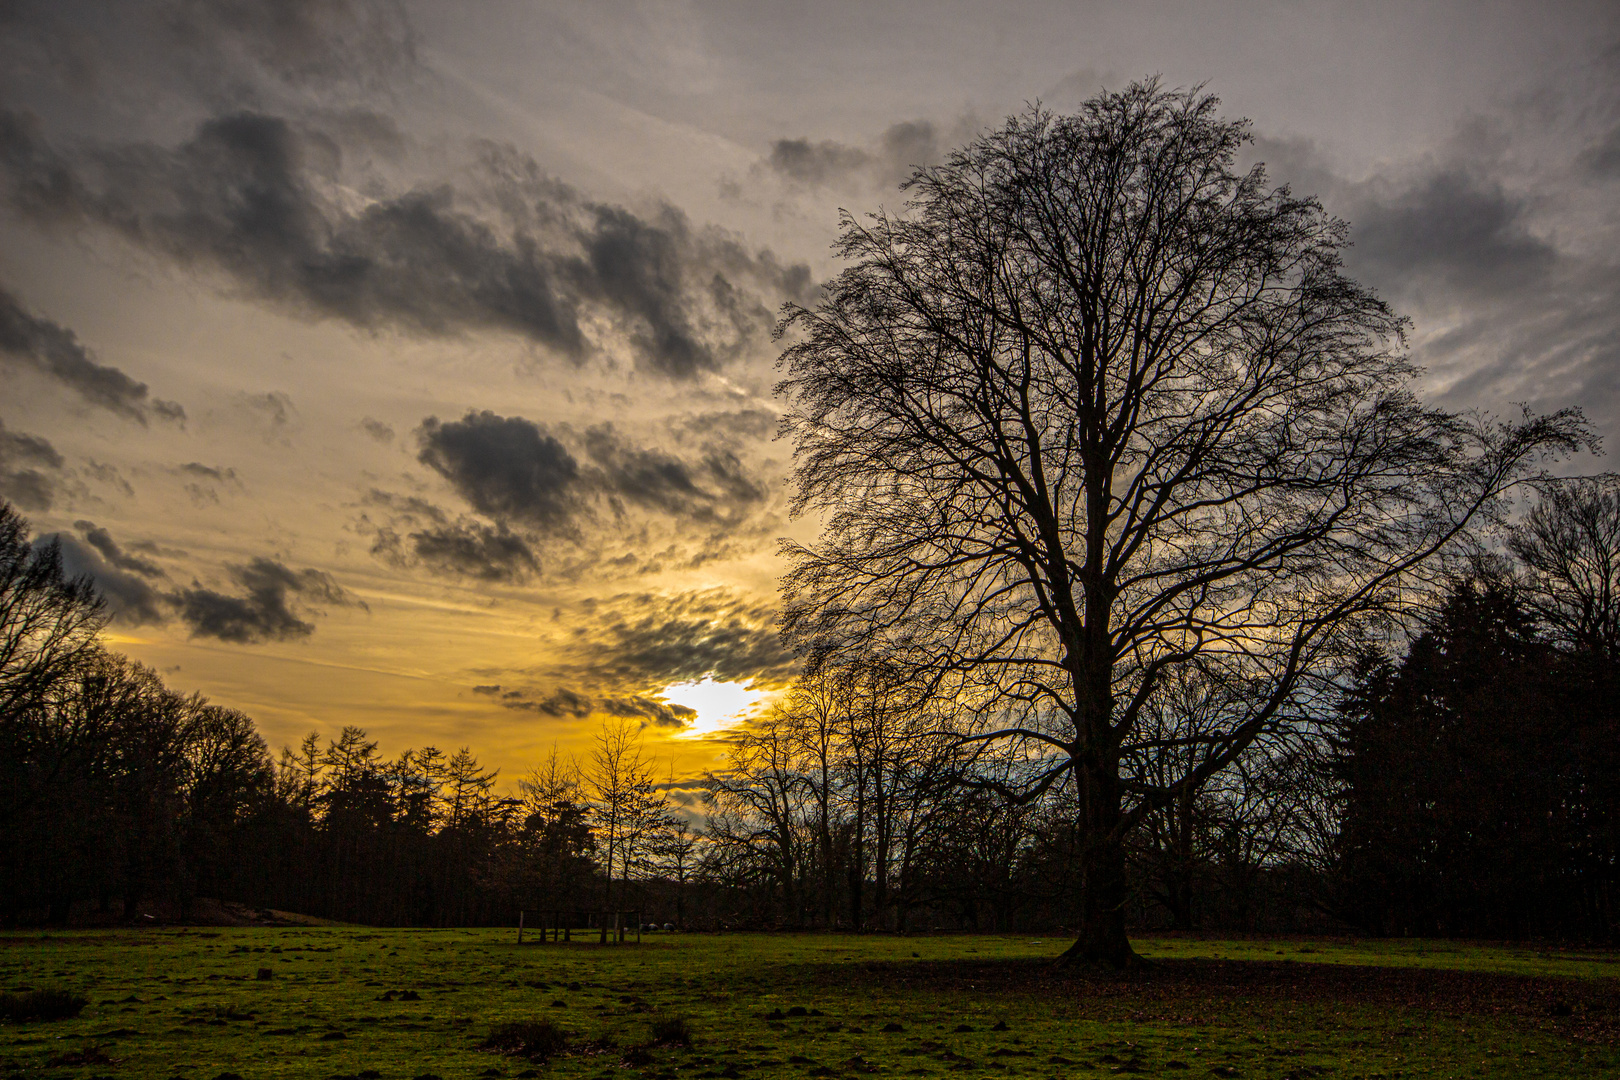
pixel 536 1040
pixel 671 1031
pixel 41 1005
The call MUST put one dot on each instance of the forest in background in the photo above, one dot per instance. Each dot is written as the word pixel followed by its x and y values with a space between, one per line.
pixel 1463 782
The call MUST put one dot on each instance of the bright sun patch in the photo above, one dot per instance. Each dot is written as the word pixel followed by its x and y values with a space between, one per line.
pixel 718 705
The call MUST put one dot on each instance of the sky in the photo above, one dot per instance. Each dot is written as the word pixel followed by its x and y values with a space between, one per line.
pixel 410 365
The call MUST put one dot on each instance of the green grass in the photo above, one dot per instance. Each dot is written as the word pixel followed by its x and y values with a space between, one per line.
pixel 188 1003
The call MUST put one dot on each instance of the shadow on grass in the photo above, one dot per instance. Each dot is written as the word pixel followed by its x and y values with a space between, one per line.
pixel 1587 1009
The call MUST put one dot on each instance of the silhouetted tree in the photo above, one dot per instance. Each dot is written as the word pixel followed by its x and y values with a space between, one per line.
pixel 756 807
pixel 626 808
pixel 1097 407
pixel 1568 554
pixel 48 621
pixel 1465 781
pixel 551 864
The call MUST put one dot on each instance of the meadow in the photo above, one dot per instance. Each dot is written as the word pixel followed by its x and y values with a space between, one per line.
pixel 382 1004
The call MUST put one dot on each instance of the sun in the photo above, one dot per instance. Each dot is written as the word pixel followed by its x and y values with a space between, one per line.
pixel 719 705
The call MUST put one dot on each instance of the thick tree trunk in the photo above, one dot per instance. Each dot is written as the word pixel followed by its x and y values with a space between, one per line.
pixel 1100 938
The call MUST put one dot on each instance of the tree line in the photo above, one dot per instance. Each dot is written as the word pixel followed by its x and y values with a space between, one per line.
pixel 124 797
pixel 1462 780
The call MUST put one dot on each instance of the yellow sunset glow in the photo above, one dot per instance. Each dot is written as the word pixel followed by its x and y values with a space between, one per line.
pixel 719 705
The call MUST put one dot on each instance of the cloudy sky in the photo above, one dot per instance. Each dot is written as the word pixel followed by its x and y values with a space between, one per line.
pixel 410 365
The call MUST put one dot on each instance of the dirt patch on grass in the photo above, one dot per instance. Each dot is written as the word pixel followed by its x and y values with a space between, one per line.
pixel 1180 990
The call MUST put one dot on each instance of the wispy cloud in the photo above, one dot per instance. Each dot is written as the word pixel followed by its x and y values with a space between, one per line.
pixel 38 344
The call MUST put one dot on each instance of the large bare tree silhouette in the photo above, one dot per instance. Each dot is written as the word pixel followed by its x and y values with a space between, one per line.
pixel 1096 407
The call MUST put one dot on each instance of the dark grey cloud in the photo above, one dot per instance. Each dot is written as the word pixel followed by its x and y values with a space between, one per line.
pixel 1499 245
pixel 102 541
pixel 1506 309
pixel 217 473
pixel 563 701
pixel 505 467
pixel 649 711
pixel 28 341
pixel 131 599
pixel 524 474
pixel 418 533
pixel 463 548
pixel 30 469
pixel 559 702
pixel 589 502
pixel 270 607
pixel 888 161
pixel 151 548
pixel 731 428
pixel 715 487
pixel 1455 226
pixel 216 52
pixel 816 163
pixel 409 508
pixel 640 640
pixel 109 475
pixel 302 42
pixel 620 653
pixel 248 195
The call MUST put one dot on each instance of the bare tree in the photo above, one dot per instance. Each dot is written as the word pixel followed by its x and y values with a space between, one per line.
pixel 626 804
pixel 672 853
pixel 1569 549
pixel 1097 406
pixel 467 792
pixel 551 792
pixel 552 861
pixel 757 805
pixel 809 715
pixel 48 621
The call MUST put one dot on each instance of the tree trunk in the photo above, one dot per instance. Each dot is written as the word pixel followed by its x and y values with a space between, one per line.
pixel 1101 934
pixel 1180 885
pixel 829 895
pixel 857 856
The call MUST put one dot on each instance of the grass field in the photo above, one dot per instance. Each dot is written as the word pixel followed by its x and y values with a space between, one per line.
pixel 192 1003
